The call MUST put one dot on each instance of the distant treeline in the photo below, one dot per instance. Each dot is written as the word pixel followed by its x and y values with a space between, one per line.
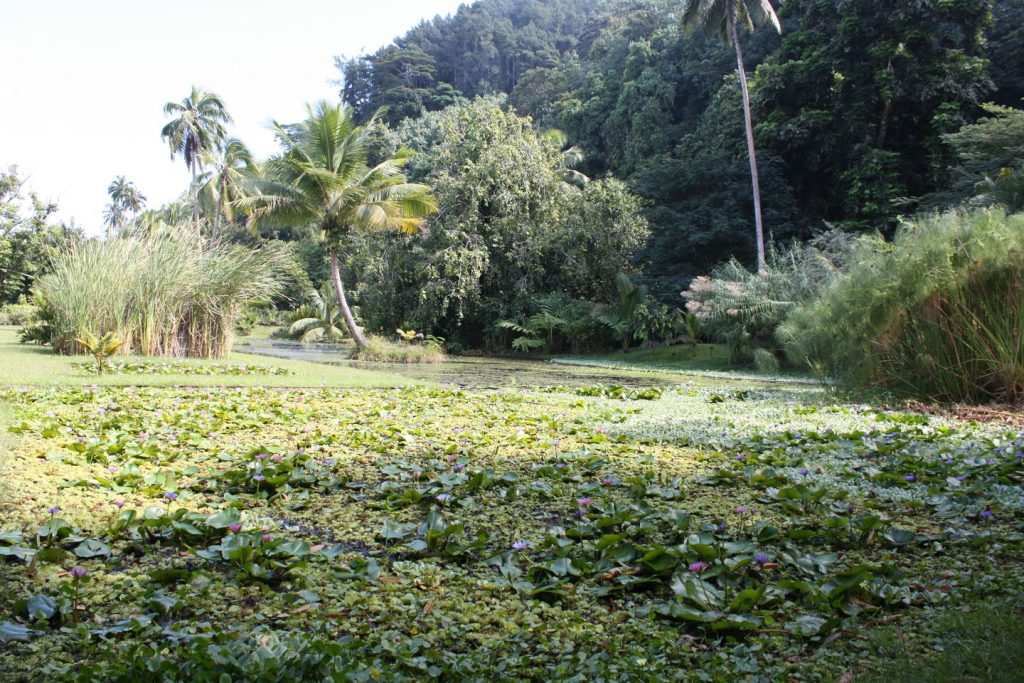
pixel 850 106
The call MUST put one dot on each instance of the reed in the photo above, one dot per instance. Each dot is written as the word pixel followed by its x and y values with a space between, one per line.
pixel 163 295
pixel 938 313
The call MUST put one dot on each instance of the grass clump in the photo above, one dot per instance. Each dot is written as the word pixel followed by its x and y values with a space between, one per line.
pixel 985 644
pixel 383 351
pixel 164 295
pixel 938 313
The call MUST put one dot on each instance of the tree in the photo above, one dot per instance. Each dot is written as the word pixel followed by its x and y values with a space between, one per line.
pixel 219 189
pixel 321 176
pixel 724 17
pixel 28 238
pixel 319 319
pixel 196 131
pixel 124 197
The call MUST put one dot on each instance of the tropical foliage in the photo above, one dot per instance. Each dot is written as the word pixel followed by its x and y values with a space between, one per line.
pixel 938 313
pixel 322 177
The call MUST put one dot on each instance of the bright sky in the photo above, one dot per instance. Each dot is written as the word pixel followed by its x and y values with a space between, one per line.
pixel 85 80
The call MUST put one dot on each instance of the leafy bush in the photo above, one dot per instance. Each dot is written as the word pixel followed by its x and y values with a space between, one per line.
pixel 938 313
pixel 743 308
pixel 431 350
pixel 16 314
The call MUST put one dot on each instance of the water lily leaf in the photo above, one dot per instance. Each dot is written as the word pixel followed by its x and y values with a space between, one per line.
pixel 23 554
pixel 91 547
pixel 899 537
pixel 9 631
pixel 162 604
pixel 224 519
pixel 806 625
pixel 41 607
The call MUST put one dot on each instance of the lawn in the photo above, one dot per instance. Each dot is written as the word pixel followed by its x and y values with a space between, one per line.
pixel 22 364
pixel 413 533
pixel 710 360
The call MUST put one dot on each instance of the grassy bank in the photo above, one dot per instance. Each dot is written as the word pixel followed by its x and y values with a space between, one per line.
pixel 710 360
pixel 25 365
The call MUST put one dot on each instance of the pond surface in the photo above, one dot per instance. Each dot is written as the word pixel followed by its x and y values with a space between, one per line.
pixel 473 372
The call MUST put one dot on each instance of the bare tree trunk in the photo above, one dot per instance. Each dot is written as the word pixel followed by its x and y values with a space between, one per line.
pixel 346 312
pixel 755 182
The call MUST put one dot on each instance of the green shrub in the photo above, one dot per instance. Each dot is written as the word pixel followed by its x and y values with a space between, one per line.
pixel 766 362
pixel 16 314
pixel 742 308
pixel 937 314
pixel 380 350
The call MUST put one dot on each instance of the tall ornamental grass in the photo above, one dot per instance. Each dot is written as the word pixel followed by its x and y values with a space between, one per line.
pixel 164 295
pixel 938 313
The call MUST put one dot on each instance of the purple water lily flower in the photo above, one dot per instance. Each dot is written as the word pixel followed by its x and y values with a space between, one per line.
pixel 261 456
pixel 258 477
pixel 761 559
pixel 804 471
pixel 77 572
pixel 235 528
pixel 277 458
pixel 267 538
pixel 119 503
pixel 698 567
pixel 170 495
pixel 444 497
pixel 909 477
pixel 584 502
pixel 53 510
pixel 520 545
pixel 986 513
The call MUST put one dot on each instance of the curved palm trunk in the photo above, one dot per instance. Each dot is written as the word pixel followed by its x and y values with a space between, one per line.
pixel 346 312
pixel 759 227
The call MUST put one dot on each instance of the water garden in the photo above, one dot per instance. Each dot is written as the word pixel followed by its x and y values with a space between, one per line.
pixel 453 386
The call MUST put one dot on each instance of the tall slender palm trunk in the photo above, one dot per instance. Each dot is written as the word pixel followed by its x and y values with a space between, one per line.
pixel 195 202
pixel 346 312
pixel 754 181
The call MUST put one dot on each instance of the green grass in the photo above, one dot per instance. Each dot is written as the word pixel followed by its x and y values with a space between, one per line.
pixel 22 364
pixel 983 644
pixel 711 360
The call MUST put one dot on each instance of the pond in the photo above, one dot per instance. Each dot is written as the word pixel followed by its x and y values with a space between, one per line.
pixel 477 372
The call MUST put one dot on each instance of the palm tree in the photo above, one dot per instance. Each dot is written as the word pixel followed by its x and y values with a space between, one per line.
pixel 620 317
pixel 321 176
pixel 219 189
pixel 124 197
pixel 569 157
pixel 197 130
pixel 725 17
pixel 318 320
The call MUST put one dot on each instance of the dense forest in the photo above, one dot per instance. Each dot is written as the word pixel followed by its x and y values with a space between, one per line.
pixel 850 104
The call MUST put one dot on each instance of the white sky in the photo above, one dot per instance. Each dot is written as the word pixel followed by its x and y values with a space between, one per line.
pixel 85 81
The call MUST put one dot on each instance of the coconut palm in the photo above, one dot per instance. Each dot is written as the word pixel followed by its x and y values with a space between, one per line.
pixel 219 189
pixel 318 320
pixel 725 18
pixel 124 197
pixel 197 130
pixel 321 176
pixel 570 157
